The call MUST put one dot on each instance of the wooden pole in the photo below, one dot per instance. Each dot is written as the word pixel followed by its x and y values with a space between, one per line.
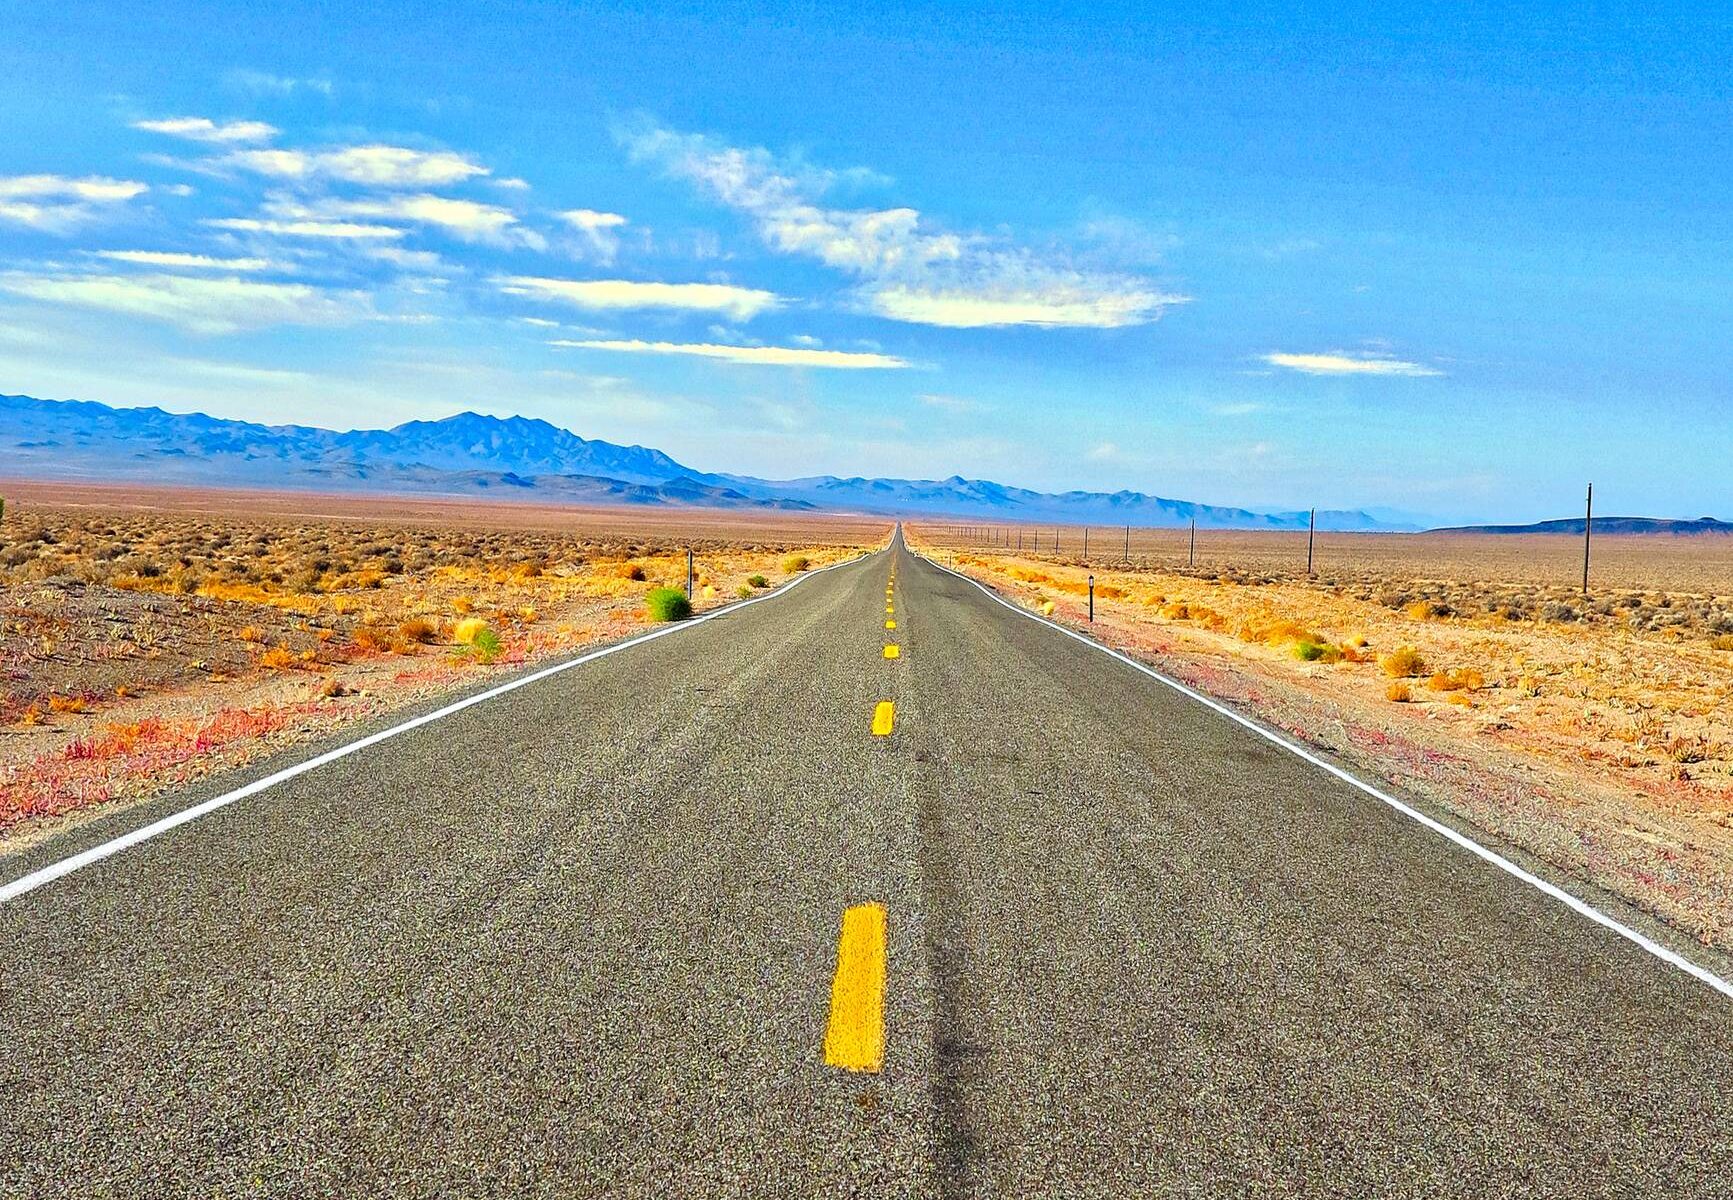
pixel 1191 555
pixel 1588 524
pixel 1311 535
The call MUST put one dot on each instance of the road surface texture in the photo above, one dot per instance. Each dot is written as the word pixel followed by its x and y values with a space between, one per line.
pixel 583 939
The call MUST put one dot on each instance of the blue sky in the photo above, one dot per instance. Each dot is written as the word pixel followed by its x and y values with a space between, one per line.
pixel 1454 264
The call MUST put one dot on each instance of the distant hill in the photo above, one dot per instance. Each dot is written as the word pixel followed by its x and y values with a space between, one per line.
pixel 1605 525
pixel 470 454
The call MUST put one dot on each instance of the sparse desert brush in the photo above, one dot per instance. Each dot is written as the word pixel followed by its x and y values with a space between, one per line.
pixel 280 658
pixel 743 591
pixel 794 564
pixel 631 570
pixel 1464 679
pixel 1459 699
pixel 1722 642
pixel 418 629
pixel 1399 693
pixel 467 630
pixel 462 605
pixel 67 704
pixel 667 604
pixel 1404 662
pixel 759 581
pixel 251 633
pixel 1046 607
pixel 529 614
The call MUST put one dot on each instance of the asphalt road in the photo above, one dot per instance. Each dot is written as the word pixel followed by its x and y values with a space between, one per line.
pixel 583 939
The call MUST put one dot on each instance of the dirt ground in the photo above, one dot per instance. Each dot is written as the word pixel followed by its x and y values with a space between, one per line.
pixel 1595 734
pixel 149 637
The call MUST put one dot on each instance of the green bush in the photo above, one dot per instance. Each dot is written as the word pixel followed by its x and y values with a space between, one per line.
pixel 668 604
pixel 485 645
pixel 794 564
pixel 743 591
pixel 758 581
pixel 1308 651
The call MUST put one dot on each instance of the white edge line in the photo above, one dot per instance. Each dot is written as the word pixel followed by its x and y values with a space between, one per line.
pixel 95 854
pixel 1670 957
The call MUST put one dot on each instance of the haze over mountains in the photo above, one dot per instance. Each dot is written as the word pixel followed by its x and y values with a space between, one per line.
pixel 526 459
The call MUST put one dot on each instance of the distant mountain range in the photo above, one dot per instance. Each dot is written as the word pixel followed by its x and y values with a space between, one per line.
pixel 1606 525
pixel 474 455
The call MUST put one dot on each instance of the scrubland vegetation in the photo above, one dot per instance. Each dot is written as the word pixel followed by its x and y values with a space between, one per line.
pixel 141 646
pixel 1595 732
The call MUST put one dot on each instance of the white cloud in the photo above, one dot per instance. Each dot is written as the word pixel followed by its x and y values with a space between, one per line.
pixel 372 165
pixel 740 303
pixel 1340 363
pixel 203 129
pixel 57 203
pixel 774 356
pixel 469 220
pixel 194 262
pixel 512 183
pixel 600 230
pixel 913 272
pixel 1104 452
pixel 202 305
pixel 1057 303
pixel 407 260
pixel 343 230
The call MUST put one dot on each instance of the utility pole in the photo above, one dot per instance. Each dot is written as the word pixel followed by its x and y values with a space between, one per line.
pixel 1086 543
pixel 1311 535
pixel 1588 524
pixel 1191 555
pixel 1128 544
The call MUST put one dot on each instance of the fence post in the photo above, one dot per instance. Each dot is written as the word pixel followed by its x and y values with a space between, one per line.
pixel 688 573
pixel 1588 523
pixel 1092 599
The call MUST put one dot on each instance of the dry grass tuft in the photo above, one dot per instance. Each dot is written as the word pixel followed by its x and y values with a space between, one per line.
pixel 1404 662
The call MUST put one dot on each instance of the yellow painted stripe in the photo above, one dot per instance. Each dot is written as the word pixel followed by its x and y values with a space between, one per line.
pixel 890 624
pixel 855 1039
pixel 884 716
pixel 893 651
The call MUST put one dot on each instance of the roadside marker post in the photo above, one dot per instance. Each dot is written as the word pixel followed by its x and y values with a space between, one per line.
pixel 688 574
pixel 1092 599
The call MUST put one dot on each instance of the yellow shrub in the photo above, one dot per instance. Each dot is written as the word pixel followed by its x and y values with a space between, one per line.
pixel 1398 692
pixel 467 630
pixel 251 633
pixel 1404 662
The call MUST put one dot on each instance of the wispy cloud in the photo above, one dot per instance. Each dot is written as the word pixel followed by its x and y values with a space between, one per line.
pixel 910 271
pixel 265 83
pixel 58 203
pixel 371 165
pixel 191 262
pixel 201 305
pixel 203 129
pixel 469 220
pixel 341 230
pixel 952 404
pixel 600 230
pixel 740 303
pixel 773 356
pixel 1338 362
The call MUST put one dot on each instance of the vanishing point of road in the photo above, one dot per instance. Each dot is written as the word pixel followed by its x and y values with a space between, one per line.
pixel 875 888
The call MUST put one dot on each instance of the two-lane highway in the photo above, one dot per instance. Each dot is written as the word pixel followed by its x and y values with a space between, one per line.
pixel 834 896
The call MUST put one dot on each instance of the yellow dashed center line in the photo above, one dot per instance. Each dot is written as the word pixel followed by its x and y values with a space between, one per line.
pixel 893 651
pixel 884 717
pixel 890 624
pixel 855 1038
